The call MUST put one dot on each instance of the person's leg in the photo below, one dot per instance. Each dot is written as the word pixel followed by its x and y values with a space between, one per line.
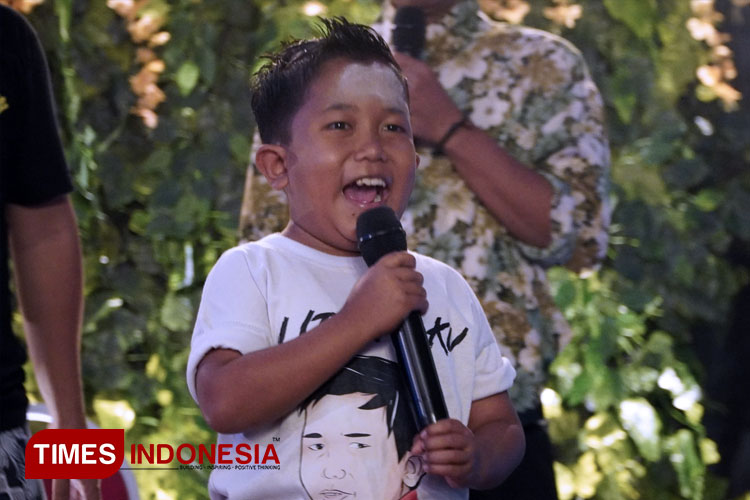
pixel 534 478
pixel 13 484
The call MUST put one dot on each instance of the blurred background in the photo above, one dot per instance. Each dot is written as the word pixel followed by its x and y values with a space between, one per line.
pixel 649 401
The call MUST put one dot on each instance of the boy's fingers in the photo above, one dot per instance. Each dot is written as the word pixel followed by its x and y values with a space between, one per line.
pixel 398 259
pixel 447 442
pixel 445 426
pixel 408 275
pixel 417 445
pixel 446 458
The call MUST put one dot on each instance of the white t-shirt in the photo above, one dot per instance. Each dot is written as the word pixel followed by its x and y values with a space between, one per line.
pixel 263 293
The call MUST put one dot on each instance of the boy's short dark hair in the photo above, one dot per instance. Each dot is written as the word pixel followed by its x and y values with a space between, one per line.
pixel 382 379
pixel 279 88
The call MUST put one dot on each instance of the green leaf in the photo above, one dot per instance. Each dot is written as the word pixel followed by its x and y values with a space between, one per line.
pixel 708 200
pixel 240 146
pixel 187 77
pixel 686 461
pixel 177 313
pixel 638 15
pixel 643 424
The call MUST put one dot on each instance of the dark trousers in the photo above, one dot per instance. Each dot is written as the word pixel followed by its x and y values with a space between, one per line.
pixel 534 478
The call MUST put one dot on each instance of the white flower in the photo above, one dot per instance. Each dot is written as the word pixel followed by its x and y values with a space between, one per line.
pixel 594 151
pixel 500 78
pixel 455 205
pixel 407 222
pixel 489 111
pixel 525 137
pixel 528 359
pixel 533 339
pixel 475 262
pixel 567 160
pixel 456 69
pixel 563 212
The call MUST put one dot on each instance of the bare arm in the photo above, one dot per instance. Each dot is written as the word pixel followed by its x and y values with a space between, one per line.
pixel 47 269
pixel 479 455
pixel 500 439
pixel 237 392
pixel 513 193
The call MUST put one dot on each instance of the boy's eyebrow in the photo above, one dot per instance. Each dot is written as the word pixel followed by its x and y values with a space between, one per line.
pixel 341 106
pixel 357 435
pixel 313 435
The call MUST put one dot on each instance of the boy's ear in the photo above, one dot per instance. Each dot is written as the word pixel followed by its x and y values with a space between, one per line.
pixel 270 159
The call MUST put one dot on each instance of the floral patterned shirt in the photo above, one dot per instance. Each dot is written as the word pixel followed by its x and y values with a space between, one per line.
pixel 532 91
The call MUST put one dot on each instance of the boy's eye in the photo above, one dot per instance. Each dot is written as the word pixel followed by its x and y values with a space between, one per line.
pixel 358 446
pixel 316 447
pixel 338 126
pixel 395 127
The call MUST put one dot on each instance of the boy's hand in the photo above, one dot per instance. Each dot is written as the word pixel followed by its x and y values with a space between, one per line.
pixel 448 448
pixel 386 294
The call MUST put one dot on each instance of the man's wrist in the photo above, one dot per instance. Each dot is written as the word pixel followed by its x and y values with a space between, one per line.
pixel 440 145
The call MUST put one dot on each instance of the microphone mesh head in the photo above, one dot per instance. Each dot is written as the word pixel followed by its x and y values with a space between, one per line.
pixel 379 232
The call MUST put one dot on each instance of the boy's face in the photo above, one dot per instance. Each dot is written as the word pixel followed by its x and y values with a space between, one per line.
pixel 351 149
pixel 348 453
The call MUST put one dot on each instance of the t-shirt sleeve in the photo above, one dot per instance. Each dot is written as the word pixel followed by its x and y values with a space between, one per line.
pixel 232 313
pixel 36 170
pixel 494 372
pixel 577 167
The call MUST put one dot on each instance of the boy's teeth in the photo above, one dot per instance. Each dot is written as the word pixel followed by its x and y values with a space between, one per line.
pixel 370 181
pixel 378 198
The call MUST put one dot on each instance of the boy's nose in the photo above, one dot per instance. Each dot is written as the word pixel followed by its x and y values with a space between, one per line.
pixel 371 148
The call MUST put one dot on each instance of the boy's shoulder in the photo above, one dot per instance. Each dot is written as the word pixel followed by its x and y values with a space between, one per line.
pixel 248 253
pixel 430 266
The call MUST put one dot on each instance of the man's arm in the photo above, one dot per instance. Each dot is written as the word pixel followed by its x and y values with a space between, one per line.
pixel 514 194
pixel 47 269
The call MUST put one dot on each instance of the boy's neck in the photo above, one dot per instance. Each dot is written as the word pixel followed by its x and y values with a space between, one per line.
pixel 296 233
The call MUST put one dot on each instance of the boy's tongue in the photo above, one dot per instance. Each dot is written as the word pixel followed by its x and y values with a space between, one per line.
pixel 361 194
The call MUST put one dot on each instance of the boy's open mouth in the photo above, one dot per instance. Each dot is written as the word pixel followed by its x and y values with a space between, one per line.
pixel 366 190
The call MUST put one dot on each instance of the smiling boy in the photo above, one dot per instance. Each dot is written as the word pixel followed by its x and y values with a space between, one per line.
pixel 281 316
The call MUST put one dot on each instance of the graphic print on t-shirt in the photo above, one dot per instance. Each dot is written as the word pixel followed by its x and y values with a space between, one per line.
pixel 358 430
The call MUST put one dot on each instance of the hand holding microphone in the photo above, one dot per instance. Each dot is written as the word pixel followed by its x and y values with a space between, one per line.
pixel 380 233
pixel 386 294
pixel 433 112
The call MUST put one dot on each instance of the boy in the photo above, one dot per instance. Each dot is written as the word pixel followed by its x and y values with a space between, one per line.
pixel 281 316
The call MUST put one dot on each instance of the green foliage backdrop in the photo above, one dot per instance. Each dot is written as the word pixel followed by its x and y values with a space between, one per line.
pixel 158 201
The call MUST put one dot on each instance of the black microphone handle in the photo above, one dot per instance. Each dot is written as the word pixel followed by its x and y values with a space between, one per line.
pixel 408 34
pixel 414 355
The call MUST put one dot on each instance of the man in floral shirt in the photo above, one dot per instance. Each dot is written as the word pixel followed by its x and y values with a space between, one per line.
pixel 512 180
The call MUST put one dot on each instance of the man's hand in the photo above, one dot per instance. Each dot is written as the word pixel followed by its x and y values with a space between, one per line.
pixel 432 109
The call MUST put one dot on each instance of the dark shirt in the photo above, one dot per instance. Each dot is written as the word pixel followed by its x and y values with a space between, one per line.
pixel 32 171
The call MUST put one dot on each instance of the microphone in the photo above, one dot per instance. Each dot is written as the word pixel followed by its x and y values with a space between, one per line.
pixel 379 232
pixel 409 31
